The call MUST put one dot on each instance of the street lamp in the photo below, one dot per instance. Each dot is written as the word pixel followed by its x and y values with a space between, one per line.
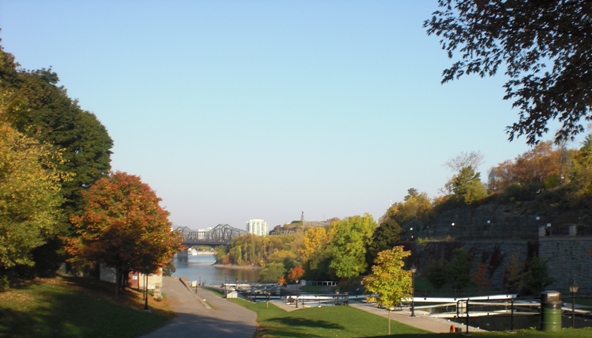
pixel 413 270
pixel 573 288
pixel 225 287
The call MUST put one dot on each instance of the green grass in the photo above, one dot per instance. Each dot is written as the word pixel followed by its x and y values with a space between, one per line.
pixel 330 321
pixel 344 321
pixel 76 308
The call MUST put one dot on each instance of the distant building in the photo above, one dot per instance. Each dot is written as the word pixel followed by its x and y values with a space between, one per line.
pixel 257 227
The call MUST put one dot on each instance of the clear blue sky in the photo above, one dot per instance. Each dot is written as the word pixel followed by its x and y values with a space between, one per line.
pixel 234 110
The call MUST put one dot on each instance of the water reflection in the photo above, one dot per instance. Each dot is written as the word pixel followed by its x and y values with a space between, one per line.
pixel 200 268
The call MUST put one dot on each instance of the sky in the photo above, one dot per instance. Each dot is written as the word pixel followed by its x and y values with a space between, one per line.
pixel 239 110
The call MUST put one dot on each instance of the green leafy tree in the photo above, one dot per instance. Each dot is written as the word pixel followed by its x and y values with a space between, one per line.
pixel 386 236
pixel 459 268
pixel 32 103
pixel 536 277
pixel 29 198
pixel 169 269
pixel 437 273
pixel 124 227
pixel 272 272
pixel 467 186
pixel 388 279
pixel 523 37
pixel 349 239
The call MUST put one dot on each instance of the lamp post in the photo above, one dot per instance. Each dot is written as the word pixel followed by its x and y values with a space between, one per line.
pixel 573 288
pixel 225 287
pixel 413 270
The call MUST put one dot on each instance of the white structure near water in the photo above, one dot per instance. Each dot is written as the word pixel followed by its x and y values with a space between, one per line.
pixel 257 227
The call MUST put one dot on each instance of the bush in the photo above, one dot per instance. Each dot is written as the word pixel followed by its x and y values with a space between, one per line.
pixel 437 274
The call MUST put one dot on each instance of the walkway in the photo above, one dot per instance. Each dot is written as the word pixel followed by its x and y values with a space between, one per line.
pixel 225 319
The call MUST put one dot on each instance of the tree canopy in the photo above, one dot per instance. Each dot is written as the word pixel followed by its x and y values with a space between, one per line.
pixel 349 240
pixel 388 280
pixel 32 102
pixel 29 196
pixel 543 46
pixel 123 226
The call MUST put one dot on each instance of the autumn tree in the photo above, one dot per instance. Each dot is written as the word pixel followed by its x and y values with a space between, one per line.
pixel 543 47
pixel 30 198
pixel 296 274
pixel 124 227
pixel 32 102
pixel 314 240
pixel 513 273
pixel 349 239
pixel 479 277
pixel 416 206
pixel 388 279
pixel 542 165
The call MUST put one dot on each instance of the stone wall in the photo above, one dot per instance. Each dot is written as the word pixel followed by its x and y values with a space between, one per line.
pixel 495 254
pixel 569 257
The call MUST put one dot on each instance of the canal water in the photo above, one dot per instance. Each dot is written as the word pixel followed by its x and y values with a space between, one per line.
pixel 200 268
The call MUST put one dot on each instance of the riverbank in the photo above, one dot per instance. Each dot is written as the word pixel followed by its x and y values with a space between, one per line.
pixel 236 267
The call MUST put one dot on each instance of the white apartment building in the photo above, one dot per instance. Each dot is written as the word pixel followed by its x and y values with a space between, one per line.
pixel 257 227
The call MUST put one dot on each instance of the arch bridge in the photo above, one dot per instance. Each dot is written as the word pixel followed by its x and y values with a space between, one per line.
pixel 221 234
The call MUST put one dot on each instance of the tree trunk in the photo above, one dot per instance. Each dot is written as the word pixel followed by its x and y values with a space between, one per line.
pixel 117 280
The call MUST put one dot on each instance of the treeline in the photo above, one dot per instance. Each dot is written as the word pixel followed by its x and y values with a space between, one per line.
pixel 348 247
pixel 52 155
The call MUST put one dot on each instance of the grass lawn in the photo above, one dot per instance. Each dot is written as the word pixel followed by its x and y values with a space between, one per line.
pixel 344 321
pixel 329 321
pixel 75 307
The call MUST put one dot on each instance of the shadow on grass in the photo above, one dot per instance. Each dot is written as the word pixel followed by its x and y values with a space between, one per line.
pixel 321 324
pixel 66 310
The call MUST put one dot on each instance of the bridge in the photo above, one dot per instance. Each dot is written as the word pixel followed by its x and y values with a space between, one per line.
pixel 221 234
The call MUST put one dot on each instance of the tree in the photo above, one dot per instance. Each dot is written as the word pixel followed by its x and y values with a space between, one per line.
pixel 314 239
pixel 467 186
pixel 480 277
pixel 437 273
pixel 472 159
pixel 459 268
pixel 388 279
pixel 29 197
pixel 32 103
pixel 536 277
pixel 385 237
pixel 124 227
pixel 349 239
pixel 513 273
pixel 523 37
pixel 296 274
pixel 272 272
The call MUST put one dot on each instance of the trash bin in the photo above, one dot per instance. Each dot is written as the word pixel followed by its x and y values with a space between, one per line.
pixel 551 311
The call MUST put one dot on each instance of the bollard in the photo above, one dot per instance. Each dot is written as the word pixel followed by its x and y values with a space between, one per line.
pixel 551 311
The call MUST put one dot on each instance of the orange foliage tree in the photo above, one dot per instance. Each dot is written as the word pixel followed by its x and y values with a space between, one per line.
pixel 124 227
pixel 296 274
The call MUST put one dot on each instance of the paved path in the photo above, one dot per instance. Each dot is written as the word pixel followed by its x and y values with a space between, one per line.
pixel 225 319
